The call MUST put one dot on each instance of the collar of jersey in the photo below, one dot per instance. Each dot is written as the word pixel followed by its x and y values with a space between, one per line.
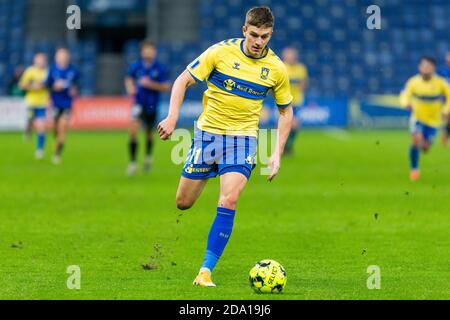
pixel 263 56
pixel 150 66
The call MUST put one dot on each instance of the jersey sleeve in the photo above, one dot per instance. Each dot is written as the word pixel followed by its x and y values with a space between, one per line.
pixel 132 70
pixel 26 78
pixel 50 80
pixel 201 67
pixel 406 94
pixel 282 90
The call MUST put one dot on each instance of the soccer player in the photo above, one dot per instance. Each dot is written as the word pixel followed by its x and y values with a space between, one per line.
pixel 145 80
pixel 445 73
pixel 239 74
pixel 298 77
pixel 62 81
pixel 36 98
pixel 424 95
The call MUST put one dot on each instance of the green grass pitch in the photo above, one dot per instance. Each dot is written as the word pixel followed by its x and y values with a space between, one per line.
pixel 343 202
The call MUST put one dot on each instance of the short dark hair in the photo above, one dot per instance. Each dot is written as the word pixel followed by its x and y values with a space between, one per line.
pixel 260 17
pixel 147 43
pixel 429 59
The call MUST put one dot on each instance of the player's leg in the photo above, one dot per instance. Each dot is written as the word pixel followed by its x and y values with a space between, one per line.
pixel 133 145
pixel 62 122
pixel 414 152
pixel 188 192
pixel 39 124
pixel 231 186
pixel 149 124
pixel 29 126
pixel 289 148
pixel 429 134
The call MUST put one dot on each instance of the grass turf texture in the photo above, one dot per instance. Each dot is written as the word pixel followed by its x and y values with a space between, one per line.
pixel 342 203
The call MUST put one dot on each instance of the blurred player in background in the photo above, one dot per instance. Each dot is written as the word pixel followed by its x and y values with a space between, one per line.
pixel 36 98
pixel 239 73
pixel 423 95
pixel 444 72
pixel 145 80
pixel 62 80
pixel 298 78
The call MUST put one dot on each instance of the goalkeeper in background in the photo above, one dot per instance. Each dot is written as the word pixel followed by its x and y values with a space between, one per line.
pixel 427 95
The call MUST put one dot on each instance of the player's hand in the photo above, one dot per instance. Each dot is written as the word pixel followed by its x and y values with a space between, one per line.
pixel 36 86
pixel 274 166
pixel 166 127
pixel 73 92
pixel 147 83
pixel 59 85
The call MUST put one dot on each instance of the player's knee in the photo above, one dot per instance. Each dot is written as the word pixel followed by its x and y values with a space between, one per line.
pixel 416 142
pixel 425 147
pixel 183 203
pixel 229 200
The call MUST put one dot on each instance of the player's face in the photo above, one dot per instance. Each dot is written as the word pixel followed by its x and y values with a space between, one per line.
pixel 426 68
pixel 62 57
pixel 148 53
pixel 289 56
pixel 40 61
pixel 256 39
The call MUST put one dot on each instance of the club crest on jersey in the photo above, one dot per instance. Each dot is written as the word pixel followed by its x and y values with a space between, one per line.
pixel 236 66
pixel 229 84
pixel 264 73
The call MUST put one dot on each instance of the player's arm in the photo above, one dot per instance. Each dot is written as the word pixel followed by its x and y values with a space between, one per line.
pixel 304 83
pixel 166 127
pixel 198 70
pixel 283 99
pixel 446 109
pixel 73 90
pixel 25 82
pixel 406 96
pixel 130 86
pixel 155 85
pixel 284 127
pixel 130 80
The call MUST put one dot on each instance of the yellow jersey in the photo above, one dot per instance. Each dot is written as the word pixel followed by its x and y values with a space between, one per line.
pixel 35 98
pixel 237 86
pixel 297 74
pixel 427 99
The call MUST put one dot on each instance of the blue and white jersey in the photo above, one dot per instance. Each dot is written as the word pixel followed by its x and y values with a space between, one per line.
pixel 70 77
pixel 147 98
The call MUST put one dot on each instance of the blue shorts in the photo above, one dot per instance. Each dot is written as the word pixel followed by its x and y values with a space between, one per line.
pixel 296 110
pixel 37 113
pixel 427 132
pixel 213 154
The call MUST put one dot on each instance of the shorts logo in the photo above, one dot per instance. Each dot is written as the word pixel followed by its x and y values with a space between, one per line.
pixel 250 160
pixel 229 84
pixel 189 169
pixel 264 73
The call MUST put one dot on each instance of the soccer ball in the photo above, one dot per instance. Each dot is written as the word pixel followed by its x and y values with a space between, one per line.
pixel 267 276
